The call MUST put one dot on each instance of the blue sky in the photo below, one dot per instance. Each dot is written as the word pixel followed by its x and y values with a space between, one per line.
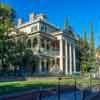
pixel 79 12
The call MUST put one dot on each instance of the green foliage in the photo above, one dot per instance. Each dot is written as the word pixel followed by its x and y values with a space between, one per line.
pixel 66 23
pixel 84 53
pixel 91 36
pixel 7 17
pixel 85 37
pixel 13 50
pixel 92 58
pixel 87 53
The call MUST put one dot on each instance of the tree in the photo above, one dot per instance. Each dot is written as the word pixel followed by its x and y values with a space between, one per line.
pixel 66 23
pixel 92 59
pixel 20 48
pixel 84 53
pixel 7 16
pixel 85 37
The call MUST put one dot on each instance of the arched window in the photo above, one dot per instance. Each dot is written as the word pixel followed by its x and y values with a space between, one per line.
pixel 48 45
pixel 29 43
pixel 35 41
pixel 42 43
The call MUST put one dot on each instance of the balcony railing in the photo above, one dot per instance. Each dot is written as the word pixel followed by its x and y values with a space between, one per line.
pixel 44 51
pixel 49 52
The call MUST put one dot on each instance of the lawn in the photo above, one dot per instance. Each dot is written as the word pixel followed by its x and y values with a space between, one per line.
pixel 18 86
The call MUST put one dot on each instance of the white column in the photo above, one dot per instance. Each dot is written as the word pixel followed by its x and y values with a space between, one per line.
pixel 61 55
pixel 74 59
pixel 66 57
pixel 70 56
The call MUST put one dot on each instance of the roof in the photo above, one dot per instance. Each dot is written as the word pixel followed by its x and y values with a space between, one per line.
pixel 35 21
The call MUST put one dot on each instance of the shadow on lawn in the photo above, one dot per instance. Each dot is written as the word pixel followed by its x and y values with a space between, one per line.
pixel 13 88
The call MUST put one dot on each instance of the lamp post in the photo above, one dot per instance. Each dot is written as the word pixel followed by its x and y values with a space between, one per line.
pixel 59 96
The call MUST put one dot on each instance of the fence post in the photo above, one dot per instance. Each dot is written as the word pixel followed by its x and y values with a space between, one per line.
pixel 59 96
pixel 40 94
pixel 75 89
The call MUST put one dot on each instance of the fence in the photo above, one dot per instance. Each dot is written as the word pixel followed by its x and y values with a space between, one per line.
pixel 66 89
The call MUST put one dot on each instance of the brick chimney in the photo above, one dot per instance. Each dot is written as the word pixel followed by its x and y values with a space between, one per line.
pixel 32 17
pixel 20 21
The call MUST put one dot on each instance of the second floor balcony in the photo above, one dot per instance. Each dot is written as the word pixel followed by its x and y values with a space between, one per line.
pixel 47 52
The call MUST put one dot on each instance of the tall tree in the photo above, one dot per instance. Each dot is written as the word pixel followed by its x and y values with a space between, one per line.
pixel 84 52
pixel 66 23
pixel 85 37
pixel 92 59
pixel 91 36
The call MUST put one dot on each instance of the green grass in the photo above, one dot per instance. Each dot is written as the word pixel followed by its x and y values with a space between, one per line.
pixel 18 86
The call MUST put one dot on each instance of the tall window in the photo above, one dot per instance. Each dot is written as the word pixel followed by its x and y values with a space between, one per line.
pixel 48 44
pixel 58 61
pixel 44 28
pixel 35 41
pixel 42 43
pixel 57 44
pixel 29 43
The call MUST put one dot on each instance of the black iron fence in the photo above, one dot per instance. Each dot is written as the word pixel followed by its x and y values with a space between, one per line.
pixel 79 89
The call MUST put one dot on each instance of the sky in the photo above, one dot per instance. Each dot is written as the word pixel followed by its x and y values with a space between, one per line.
pixel 79 12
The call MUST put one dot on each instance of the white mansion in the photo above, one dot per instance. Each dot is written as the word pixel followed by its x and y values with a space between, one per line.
pixel 56 49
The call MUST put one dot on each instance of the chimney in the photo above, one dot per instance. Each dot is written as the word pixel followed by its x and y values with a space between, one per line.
pixel 20 21
pixel 32 17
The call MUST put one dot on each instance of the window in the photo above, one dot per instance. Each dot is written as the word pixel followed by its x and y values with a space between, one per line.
pixel 45 28
pixel 48 45
pixel 34 28
pixel 58 61
pixel 42 28
pixel 29 43
pixel 42 43
pixel 35 41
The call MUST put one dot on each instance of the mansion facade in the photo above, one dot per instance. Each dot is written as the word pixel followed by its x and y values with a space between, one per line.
pixel 56 49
